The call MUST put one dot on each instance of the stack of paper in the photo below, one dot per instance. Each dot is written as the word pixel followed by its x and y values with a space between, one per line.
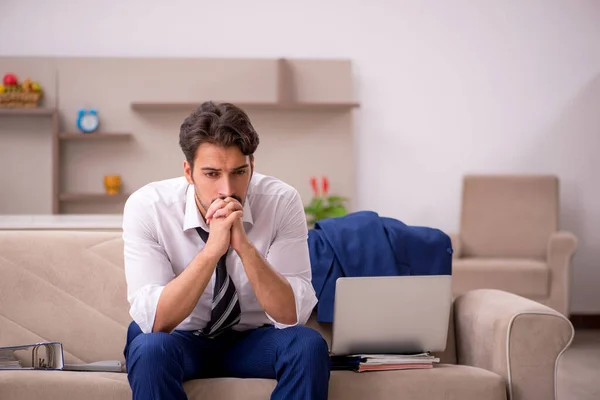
pixel 8 359
pixel 386 362
pixel 383 362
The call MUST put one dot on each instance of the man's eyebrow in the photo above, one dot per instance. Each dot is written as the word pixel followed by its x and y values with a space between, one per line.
pixel 240 167
pixel 219 170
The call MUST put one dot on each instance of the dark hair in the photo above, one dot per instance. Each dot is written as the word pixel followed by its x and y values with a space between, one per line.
pixel 222 124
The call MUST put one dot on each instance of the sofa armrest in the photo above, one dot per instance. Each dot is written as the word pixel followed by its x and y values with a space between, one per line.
pixel 561 248
pixel 455 239
pixel 517 338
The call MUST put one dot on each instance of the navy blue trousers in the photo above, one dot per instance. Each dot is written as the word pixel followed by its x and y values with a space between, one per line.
pixel 297 357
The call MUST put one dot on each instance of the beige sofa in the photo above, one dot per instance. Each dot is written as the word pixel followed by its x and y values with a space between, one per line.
pixel 70 287
pixel 509 239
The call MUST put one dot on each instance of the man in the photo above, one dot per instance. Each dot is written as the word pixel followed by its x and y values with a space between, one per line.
pixel 218 271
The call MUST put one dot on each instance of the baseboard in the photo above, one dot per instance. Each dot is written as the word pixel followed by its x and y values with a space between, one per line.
pixel 585 321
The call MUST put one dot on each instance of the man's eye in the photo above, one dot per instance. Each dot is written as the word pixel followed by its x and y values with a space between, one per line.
pixel 241 172
pixel 211 174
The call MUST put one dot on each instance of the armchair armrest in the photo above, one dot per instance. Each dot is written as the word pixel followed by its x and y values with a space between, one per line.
pixel 517 338
pixel 561 248
pixel 455 239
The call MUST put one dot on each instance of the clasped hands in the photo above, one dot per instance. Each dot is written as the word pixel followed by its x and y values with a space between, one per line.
pixel 226 227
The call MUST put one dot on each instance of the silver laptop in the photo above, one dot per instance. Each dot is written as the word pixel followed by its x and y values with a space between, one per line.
pixel 397 315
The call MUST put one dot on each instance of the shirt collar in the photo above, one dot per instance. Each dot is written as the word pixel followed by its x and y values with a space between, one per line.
pixel 193 219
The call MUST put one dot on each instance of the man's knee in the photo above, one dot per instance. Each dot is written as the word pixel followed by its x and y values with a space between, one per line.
pixel 307 342
pixel 152 348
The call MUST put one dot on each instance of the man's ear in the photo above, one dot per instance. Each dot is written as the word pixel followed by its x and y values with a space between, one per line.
pixel 187 171
pixel 251 164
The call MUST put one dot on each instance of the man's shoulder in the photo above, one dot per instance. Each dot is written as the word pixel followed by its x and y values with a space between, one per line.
pixel 270 186
pixel 166 191
pixel 277 207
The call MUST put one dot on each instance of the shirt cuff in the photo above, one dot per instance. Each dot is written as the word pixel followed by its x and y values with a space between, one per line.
pixel 143 306
pixel 304 298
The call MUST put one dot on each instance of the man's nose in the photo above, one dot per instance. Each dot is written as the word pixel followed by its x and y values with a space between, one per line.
pixel 226 188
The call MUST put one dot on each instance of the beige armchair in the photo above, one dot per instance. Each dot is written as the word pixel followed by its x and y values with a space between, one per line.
pixel 509 239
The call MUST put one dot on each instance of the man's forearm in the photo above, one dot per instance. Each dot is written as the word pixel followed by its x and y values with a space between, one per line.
pixel 273 291
pixel 180 296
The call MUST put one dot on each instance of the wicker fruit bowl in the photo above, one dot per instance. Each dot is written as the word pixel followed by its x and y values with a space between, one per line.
pixel 26 94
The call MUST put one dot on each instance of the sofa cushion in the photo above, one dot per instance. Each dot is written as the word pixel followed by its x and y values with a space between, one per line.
pixel 441 382
pixel 527 278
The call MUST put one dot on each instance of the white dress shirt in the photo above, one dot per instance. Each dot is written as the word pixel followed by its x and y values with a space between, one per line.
pixel 160 237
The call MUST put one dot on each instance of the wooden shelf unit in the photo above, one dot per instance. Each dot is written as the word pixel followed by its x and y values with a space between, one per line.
pixel 275 84
pixel 94 136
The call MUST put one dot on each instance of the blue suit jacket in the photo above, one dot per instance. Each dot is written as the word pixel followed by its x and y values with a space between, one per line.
pixel 365 244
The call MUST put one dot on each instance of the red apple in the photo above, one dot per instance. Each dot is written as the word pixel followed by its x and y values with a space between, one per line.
pixel 10 80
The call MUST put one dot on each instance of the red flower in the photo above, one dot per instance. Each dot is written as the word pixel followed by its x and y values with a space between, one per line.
pixel 325 186
pixel 315 188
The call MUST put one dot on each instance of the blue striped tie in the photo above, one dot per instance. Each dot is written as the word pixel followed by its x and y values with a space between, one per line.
pixel 225 311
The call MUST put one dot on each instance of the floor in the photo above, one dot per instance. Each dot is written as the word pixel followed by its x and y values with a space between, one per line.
pixel 579 368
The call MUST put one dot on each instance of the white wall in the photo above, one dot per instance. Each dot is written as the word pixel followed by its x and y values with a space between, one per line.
pixel 446 87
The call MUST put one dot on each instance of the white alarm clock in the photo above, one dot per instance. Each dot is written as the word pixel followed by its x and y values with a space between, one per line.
pixel 87 120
